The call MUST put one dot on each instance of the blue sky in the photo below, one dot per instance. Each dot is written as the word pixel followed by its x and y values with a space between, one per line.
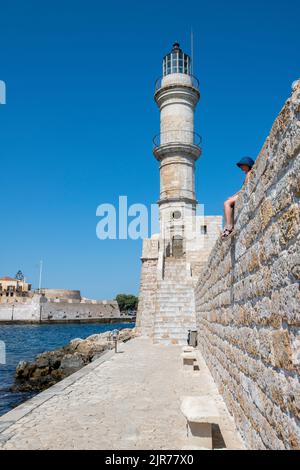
pixel 79 120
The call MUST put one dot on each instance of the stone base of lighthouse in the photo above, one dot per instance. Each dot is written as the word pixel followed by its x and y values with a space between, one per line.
pixel 166 309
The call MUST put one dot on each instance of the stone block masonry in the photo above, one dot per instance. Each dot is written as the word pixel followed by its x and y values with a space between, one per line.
pixel 147 298
pixel 166 309
pixel 247 297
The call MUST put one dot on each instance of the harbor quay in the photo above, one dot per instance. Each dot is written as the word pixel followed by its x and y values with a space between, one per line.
pixel 125 400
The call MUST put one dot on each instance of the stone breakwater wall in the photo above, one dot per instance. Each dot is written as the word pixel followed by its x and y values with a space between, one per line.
pixel 46 310
pixel 247 297
pixel 52 366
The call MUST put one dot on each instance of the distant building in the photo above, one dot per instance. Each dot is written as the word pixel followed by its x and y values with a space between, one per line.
pixel 10 288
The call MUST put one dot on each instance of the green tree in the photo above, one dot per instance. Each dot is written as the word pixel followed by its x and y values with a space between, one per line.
pixel 127 302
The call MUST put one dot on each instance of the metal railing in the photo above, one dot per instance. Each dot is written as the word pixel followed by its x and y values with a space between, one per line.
pixel 177 136
pixel 194 82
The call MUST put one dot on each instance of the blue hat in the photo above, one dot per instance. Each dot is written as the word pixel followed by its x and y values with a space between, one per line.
pixel 246 161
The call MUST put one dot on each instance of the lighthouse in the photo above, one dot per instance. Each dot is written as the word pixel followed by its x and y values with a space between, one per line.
pixel 176 147
pixel 173 258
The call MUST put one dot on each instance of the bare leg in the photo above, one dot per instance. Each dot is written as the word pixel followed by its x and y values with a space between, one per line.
pixel 228 211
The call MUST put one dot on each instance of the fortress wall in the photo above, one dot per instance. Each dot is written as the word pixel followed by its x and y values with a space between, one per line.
pixel 68 311
pixel 247 297
pixel 17 299
pixel 24 310
pixel 42 309
pixel 62 294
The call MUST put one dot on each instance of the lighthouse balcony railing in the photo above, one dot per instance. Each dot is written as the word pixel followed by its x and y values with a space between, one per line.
pixel 177 136
pixel 181 79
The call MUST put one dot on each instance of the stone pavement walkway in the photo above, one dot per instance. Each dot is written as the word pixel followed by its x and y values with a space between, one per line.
pixel 128 400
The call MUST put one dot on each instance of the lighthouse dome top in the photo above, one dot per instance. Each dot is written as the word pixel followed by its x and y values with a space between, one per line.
pixel 176 61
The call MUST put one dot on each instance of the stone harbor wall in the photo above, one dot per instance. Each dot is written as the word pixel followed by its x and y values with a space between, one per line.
pixel 42 309
pixel 27 310
pixel 247 297
pixel 64 310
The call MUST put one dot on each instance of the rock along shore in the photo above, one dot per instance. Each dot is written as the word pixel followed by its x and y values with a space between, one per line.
pixel 50 367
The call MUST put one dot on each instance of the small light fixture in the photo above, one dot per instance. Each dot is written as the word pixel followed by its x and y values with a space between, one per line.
pixel 115 337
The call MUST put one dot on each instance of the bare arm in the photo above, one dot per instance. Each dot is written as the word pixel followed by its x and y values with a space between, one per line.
pixel 245 182
pixel 248 176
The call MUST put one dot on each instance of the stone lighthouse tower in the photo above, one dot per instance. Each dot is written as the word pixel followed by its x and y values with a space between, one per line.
pixel 176 148
pixel 172 259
